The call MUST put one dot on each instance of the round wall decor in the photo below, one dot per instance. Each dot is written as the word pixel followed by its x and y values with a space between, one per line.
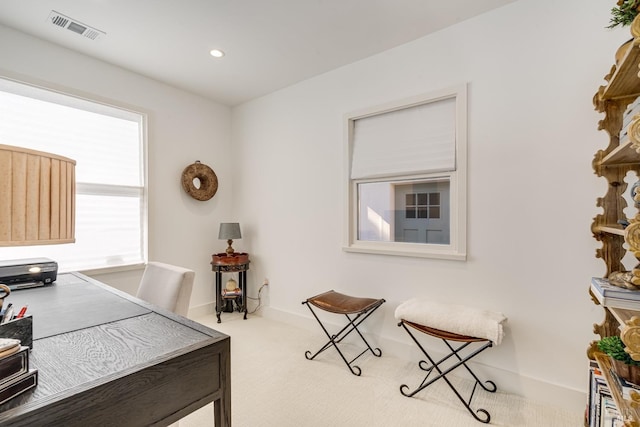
pixel 199 181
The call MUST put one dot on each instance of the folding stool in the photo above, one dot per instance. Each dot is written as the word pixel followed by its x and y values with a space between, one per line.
pixel 487 324
pixel 334 302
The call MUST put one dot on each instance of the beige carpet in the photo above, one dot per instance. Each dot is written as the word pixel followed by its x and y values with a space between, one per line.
pixel 273 385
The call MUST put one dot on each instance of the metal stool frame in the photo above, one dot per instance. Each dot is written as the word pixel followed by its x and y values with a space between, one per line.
pixel 351 326
pixel 446 337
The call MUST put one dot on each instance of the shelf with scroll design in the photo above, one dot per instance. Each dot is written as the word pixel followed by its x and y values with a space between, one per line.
pixel 629 327
pixel 623 81
pixel 619 159
pixel 611 229
pixel 629 409
pixel 625 153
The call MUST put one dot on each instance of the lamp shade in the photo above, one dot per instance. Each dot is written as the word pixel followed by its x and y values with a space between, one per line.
pixel 37 197
pixel 229 230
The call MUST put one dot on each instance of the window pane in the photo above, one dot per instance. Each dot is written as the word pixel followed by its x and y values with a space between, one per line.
pixel 383 215
pixel 107 233
pixel 113 221
pixel 434 198
pixel 101 145
pixel 422 199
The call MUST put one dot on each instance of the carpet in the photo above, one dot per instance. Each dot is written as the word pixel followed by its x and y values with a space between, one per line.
pixel 274 385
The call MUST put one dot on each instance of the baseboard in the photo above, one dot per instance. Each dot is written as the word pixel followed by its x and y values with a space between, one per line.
pixel 536 390
pixel 210 308
pixel 201 310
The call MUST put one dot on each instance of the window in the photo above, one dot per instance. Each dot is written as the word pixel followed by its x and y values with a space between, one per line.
pixel 422 205
pixel 108 145
pixel 407 177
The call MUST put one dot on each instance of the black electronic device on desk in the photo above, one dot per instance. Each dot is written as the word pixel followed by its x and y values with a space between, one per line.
pixel 28 273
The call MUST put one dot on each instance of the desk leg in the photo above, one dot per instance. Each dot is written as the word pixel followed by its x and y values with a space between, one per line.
pixel 222 406
pixel 218 294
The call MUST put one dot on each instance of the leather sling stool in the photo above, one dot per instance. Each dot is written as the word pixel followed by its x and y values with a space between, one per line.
pixel 355 309
pixel 458 327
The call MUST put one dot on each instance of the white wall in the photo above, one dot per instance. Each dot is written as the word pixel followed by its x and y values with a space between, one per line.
pixel 182 128
pixel 532 68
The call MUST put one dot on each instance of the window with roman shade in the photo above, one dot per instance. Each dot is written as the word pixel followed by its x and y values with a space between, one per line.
pixel 401 151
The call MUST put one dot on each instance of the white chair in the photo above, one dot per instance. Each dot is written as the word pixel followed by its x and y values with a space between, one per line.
pixel 167 286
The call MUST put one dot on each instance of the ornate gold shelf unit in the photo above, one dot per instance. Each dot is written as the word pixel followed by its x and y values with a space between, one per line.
pixel 613 163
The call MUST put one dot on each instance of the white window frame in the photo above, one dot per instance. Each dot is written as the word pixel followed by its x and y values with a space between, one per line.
pixel 457 248
pixel 71 98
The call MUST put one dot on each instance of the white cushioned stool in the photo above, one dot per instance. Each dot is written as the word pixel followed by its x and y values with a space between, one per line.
pixel 451 323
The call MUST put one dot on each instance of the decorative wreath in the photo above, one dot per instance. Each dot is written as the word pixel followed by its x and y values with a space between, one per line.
pixel 207 177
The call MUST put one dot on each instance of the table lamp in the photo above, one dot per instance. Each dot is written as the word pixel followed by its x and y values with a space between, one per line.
pixel 37 197
pixel 229 231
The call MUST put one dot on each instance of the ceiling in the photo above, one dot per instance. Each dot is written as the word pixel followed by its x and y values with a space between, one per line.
pixel 269 44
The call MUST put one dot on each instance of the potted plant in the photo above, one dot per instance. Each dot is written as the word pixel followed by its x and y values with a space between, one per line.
pixel 624 13
pixel 623 364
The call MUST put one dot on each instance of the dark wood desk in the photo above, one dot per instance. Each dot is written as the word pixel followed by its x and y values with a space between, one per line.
pixel 105 358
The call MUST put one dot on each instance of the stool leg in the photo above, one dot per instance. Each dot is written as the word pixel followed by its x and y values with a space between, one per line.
pixel 491 388
pixel 486 417
pixel 376 352
pixel 355 370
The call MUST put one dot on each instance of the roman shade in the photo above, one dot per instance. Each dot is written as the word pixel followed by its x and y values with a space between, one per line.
pixel 411 140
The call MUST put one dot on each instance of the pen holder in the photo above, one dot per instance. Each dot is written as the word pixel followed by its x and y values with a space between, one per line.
pixel 21 329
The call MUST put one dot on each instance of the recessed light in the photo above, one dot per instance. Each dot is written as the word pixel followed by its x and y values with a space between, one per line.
pixel 217 53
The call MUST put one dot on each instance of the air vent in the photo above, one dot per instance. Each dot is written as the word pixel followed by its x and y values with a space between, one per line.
pixel 62 21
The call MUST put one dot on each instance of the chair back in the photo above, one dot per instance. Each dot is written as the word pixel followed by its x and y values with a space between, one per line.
pixel 167 286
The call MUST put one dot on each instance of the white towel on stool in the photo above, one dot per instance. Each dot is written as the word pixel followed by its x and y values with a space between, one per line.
pixel 454 318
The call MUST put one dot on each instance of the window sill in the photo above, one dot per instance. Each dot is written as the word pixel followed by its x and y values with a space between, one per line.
pixel 112 269
pixel 407 250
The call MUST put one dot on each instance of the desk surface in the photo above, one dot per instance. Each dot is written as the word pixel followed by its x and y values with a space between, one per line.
pixel 106 358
